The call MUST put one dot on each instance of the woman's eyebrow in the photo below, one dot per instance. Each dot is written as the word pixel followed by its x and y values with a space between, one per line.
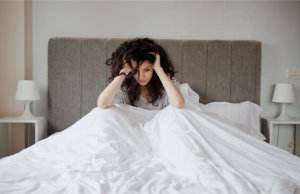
pixel 147 67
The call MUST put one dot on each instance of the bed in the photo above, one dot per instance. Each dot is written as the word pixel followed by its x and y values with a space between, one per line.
pixel 214 146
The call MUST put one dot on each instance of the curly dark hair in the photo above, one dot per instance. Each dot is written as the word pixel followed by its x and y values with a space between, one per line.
pixel 138 50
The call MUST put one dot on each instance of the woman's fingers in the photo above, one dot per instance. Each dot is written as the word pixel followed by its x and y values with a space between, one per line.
pixel 157 56
pixel 127 68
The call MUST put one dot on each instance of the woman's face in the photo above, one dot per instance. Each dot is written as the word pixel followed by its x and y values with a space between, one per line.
pixel 145 73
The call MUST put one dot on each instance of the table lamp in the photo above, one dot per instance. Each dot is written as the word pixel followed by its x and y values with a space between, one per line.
pixel 284 93
pixel 27 91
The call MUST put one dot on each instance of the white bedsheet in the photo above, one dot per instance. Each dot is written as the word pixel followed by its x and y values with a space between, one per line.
pixel 126 149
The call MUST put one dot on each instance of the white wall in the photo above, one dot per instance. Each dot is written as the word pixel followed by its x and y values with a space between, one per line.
pixel 275 24
pixel 12 69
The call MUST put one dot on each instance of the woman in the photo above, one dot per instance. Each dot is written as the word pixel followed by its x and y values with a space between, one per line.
pixel 143 71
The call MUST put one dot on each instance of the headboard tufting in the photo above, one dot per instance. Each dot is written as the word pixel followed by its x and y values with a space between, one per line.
pixel 219 70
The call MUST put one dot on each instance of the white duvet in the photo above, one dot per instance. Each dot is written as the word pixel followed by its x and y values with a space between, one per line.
pixel 126 149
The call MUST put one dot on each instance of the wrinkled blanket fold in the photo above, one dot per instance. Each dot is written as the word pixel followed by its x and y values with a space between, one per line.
pixel 126 149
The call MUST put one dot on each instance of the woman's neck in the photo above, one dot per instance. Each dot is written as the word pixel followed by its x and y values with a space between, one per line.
pixel 144 91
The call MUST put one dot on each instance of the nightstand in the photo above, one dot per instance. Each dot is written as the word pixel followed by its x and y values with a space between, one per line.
pixel 274 121
pixel 40 125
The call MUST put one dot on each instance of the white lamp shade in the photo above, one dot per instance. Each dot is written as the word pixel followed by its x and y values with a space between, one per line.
pixel 27 90
pixel 284 93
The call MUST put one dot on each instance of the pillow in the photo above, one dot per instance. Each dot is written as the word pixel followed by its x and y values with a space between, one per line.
pixel 246 114
pixel 188 93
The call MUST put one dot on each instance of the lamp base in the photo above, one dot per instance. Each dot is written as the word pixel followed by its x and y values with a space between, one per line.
pixel 283 114
pixel 27 113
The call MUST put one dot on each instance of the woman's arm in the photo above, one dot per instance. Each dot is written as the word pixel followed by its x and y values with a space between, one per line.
pixel 175 96
pixel 107 96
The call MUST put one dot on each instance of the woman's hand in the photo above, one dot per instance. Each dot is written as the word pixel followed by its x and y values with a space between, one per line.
pixel 156 64
pixel 126 69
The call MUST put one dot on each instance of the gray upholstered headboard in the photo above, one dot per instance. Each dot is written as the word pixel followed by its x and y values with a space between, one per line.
pixel 219 70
